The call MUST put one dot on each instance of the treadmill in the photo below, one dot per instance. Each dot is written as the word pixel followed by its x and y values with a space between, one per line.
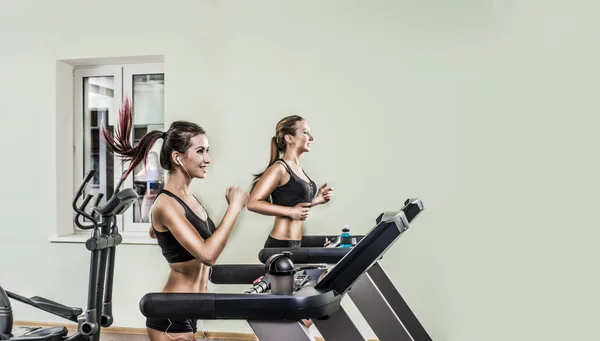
pixel 374 294
pixel 277 316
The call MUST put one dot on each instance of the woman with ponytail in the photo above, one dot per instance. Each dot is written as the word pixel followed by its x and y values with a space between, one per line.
pixel 189 240
pixel 292 193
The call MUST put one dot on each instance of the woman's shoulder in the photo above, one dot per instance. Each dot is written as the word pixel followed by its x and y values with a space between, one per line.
pixel 281 166
pixel 165 205
pixel 277 168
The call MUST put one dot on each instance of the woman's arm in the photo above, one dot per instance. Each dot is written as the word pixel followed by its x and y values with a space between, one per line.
pixel 207 251
pixel 264 187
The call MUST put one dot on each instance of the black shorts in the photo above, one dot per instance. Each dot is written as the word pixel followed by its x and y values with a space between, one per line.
pixel 277 243
pixel 172 325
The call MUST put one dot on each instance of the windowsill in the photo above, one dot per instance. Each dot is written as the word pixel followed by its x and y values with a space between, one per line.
pixel 133 238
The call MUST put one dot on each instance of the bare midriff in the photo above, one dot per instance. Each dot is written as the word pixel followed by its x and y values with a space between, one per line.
pixel 190 276
pixel 287 229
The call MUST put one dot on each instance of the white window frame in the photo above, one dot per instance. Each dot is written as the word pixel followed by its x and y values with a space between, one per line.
pixel 122 73
pixel 130 227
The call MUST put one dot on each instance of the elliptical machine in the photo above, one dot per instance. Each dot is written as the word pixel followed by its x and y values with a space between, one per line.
pixel 102 243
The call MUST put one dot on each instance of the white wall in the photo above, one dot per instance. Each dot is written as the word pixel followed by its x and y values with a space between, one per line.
pixel 484 109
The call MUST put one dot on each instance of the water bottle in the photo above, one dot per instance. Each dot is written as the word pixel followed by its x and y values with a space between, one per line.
pixel 281 270
pixel 346 237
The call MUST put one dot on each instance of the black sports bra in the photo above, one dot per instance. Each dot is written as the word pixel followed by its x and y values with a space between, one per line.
pixel 295 191
pixel 173 251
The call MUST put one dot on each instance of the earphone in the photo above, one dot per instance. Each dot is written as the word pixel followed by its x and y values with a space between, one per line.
pixel 181 164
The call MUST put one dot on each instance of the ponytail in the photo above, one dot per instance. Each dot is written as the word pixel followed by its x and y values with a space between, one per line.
pixel 274 152
pixel 120 143
pixel 274 157
pixel 286 126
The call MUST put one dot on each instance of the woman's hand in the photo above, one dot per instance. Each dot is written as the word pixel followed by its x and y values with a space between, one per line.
pixel 236 197
pixel 300 211
pixel 323 195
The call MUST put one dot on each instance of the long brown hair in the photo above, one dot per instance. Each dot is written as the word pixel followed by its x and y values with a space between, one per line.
pixel 285 126
pixel 177 138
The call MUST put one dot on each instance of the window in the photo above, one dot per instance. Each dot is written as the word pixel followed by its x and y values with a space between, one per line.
pixel 98 95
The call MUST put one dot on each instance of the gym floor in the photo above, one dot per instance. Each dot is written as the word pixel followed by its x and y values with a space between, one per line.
pixel 130 337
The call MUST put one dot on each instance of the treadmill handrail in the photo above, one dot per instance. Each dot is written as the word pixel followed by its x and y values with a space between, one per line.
pixel 303 255
pixel 302 304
